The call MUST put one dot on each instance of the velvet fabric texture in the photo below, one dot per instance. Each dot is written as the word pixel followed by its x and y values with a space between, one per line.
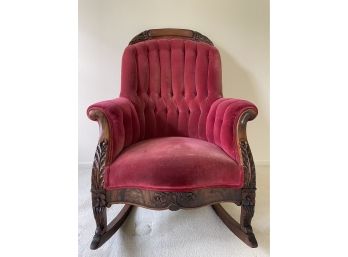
pixel 173 164
pixel 172 88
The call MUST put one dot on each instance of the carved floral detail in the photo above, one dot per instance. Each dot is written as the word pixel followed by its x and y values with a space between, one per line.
pixel 248 191
pixel 199 37
pixel 248 164
pixel 98 198
pixel 248 196
pixel 173 200
pixel 140 37
pixel 97 188
pixel 99 165
pixel 145 35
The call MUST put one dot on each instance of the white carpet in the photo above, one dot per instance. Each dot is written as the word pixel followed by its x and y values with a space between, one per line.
pixel 184 233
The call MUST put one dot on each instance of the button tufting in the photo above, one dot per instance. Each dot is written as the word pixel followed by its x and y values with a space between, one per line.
pixel 168 75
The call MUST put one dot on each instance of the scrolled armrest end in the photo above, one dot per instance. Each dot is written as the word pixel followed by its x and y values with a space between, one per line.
pixel 99 116
pixel 246 116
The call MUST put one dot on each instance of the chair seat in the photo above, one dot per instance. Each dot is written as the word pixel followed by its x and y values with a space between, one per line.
pixel 173 164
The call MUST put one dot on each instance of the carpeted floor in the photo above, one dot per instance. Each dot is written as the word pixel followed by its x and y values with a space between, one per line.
pixel 184 233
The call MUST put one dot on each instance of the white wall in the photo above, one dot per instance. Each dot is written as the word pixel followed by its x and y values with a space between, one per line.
pixel 238 28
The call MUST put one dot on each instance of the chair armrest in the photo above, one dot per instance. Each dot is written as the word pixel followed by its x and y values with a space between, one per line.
pixel 118 124
pixel 226 125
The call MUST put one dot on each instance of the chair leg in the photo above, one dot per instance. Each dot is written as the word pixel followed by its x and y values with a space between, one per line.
pixel 103 232
pixel 247 213
pixel 243 230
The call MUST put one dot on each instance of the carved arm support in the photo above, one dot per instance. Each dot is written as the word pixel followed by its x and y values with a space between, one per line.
pixel 246 157
pixel 119 127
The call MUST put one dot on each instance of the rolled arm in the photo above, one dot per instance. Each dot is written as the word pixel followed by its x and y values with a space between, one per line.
pixel 118 124
pixel 226 124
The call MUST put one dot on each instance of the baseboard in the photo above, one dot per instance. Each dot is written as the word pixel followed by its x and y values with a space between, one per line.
pixel 88 165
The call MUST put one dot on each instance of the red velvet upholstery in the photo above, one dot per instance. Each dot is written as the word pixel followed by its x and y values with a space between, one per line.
pixel 172 84
pixel 123 123
pixel 173 164
pixel 172 88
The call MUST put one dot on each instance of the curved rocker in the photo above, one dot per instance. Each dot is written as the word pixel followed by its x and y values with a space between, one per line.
pixel 118 117
pixel 243 232
pixel 101 237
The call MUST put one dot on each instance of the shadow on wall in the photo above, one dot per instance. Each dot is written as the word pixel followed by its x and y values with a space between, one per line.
pixel 237 82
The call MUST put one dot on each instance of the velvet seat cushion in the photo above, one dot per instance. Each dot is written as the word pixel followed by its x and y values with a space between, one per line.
pixel 173 164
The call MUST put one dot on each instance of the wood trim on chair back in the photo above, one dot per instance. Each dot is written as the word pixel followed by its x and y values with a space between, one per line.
pixel 170 33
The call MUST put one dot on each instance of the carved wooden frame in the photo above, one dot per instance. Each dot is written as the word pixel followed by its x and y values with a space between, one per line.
pixel 169 33
pixel 101 198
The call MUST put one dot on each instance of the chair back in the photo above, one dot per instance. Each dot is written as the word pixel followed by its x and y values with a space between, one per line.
pixel 172 77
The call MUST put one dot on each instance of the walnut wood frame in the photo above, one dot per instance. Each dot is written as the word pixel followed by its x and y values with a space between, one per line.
pixel 169 33
pixel 101 198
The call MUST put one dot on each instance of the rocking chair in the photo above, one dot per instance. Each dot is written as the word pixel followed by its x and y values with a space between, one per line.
pixel 171 141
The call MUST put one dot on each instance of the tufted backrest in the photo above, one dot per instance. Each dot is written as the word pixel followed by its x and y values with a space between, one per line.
pixel 172 84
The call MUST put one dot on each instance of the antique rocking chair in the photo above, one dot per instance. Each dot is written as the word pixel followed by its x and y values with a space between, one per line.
pixel 171 141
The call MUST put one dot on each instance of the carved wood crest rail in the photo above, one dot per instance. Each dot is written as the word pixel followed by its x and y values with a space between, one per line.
pixel 168 33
